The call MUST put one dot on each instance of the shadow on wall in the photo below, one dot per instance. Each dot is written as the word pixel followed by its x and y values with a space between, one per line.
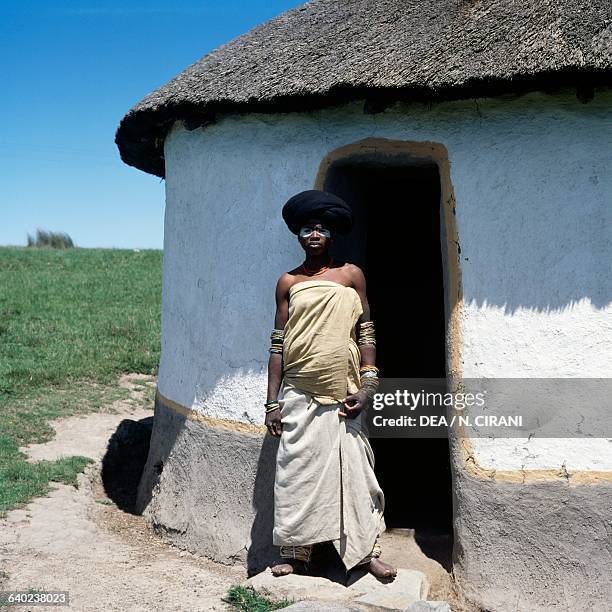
pixel 537 244
pixel 160 449
pixel 262 553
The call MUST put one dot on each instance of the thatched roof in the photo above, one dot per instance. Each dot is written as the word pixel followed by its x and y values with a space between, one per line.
pixel 330 51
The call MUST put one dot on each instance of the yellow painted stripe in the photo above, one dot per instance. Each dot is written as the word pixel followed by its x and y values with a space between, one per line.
pixel 472 466
pixel 194 415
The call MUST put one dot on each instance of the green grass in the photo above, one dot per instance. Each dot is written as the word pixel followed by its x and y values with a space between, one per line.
pixel 246 599
pixel 71 322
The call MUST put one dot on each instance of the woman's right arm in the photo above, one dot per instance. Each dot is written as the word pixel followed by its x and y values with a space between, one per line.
pixel 275 362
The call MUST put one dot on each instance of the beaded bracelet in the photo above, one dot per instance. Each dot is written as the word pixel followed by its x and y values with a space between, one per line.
pixel 271 406
pixel 369 387
pixel 276 340
pixel 369 374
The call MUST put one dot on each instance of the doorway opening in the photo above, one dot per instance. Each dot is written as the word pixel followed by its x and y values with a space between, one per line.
pixel 396 240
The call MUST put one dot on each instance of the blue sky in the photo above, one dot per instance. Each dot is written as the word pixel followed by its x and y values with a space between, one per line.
pixel 69 70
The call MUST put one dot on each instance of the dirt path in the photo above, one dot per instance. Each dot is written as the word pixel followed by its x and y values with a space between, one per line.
pixel 77 540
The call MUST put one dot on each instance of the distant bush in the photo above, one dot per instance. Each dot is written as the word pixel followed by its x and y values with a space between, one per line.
pixel 55 240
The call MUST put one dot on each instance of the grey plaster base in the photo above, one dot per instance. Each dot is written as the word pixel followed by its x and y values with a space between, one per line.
pixel 210 489
pixel 530 547
pixel 544 546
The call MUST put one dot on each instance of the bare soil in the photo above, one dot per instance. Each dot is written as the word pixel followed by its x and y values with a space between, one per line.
pixel 77 540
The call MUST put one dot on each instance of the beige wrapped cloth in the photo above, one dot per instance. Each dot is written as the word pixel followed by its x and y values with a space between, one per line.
pixel 325 487
pixel 320 352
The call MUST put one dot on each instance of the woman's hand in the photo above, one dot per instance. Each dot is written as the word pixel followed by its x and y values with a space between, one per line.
pixel 273 423
pixel 354 403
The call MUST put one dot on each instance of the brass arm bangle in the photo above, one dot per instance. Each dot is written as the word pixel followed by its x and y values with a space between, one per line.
pixel 367 333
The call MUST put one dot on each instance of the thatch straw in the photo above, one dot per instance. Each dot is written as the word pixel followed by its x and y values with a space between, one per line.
pixel 329 51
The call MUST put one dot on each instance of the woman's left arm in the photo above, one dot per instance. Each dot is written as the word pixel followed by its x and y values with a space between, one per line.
pixel 356 402
pixel 368 351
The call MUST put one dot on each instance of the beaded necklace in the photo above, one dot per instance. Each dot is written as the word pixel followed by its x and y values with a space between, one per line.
pixel 315 273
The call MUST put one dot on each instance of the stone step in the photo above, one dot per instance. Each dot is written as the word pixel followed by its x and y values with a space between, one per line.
pixel 328 606
pixel 363 591
pixel 321 606
pixel 429 606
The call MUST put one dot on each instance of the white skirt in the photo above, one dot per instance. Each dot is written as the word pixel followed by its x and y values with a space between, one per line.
pixel 325 487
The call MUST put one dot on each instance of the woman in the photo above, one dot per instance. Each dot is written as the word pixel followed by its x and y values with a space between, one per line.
pixel 321 375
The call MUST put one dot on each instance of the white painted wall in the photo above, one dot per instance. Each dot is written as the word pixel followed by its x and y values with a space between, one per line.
pixel 533 183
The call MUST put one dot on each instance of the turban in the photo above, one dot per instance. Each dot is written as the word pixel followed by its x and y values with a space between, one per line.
pixel 331 210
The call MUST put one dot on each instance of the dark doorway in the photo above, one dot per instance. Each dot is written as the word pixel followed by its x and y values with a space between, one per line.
pixel 396 241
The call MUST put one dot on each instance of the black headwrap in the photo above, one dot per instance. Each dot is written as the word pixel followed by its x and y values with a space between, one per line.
pixel 331 210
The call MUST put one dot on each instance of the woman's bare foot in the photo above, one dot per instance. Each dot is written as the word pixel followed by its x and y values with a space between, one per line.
pixel 282 569
pixel 380 569
pixel 291 566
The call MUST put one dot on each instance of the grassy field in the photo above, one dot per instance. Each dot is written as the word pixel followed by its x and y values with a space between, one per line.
pixel 71 322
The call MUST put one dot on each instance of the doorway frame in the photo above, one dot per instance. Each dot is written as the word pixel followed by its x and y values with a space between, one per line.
pixel 434 153
pixel 460 451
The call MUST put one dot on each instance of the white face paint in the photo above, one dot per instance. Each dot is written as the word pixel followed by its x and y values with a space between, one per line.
pixel 306 231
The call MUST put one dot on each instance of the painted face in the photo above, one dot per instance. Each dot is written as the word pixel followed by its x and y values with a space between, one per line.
pixel 307 230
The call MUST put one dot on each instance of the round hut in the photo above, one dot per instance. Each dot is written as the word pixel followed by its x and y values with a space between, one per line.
pixel 473 140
